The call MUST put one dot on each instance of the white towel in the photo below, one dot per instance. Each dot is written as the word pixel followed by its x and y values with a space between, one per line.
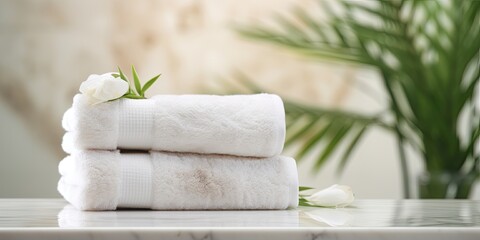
pixel 242 125
pixel 107 180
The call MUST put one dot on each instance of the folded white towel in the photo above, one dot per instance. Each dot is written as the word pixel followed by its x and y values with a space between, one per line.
pixel 107 180
pixel 243 125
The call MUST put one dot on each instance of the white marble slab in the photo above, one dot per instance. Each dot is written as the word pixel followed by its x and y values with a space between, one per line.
pixel 366 219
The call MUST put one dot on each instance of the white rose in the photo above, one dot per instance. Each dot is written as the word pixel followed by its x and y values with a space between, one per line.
pixel 334 196
pixel 102 88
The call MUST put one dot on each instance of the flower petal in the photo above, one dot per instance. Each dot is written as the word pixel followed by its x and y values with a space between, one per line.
pixel 89 85
pixel 111 88
pixel 333 196
pixel 102 88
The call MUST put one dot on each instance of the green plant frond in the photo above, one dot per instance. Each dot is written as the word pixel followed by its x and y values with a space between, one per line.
pixel 298 128
pixel 349 150
pixel 326 129
pixel 315 140
pixel 470 81
pixel 291 28
pixel 310 127
pixel 426 54
pixel 332 145
pixel 381 16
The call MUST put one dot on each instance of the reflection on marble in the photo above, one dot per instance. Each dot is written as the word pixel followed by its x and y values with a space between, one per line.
pixel 70 217
pixel 366 219
pixel 329 216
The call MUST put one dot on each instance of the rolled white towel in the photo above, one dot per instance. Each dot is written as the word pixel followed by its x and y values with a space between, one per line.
pixel 242 125
pixel 107 180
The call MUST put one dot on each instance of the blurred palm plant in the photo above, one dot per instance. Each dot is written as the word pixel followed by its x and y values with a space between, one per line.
pixel 428 59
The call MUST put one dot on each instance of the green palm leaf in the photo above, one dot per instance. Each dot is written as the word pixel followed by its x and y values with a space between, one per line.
pixel 427 55
pixel 310 127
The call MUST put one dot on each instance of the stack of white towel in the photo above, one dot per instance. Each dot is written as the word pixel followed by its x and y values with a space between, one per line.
pixel 173 152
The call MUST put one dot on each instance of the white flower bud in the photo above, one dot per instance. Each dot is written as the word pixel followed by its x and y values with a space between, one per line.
pixel 102 88
pixel 334 196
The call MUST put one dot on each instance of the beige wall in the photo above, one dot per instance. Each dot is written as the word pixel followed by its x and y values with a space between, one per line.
pixel 50 46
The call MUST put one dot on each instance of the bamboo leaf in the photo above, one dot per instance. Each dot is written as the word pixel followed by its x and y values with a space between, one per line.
pixel 133 96
pixel 122 76
pixel 304 188
pixel 304 203
pixel 136 81
pixel 149 84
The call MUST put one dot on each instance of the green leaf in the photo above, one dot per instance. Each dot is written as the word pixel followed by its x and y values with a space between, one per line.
pixel 133 96
pixel 332 145
pixel 312 123
pixel 304 204
pixel 290 28
pixel 315 140
pixel 383 16
pixel 136 81
pixel 426 95
pixel 350 148
pixel 301 132
pixel 304 188
pixel 149 84
pixel 122 76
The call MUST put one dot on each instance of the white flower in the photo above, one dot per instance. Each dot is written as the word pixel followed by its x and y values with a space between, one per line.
pixel 102 88
pixel 334 196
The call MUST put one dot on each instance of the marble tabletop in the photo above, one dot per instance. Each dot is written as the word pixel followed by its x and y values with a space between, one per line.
pixel 365 219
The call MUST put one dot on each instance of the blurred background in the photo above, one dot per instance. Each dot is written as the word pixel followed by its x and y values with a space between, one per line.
pixel 49 47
